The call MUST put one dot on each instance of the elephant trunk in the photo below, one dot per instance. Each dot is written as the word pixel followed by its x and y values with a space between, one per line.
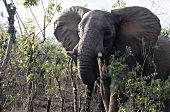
pixel 86 69
pixel 87 60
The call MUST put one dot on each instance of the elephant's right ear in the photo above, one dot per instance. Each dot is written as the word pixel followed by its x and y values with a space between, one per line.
pixel 66 26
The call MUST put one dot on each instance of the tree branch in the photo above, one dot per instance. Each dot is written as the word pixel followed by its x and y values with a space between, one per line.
pixel 11 30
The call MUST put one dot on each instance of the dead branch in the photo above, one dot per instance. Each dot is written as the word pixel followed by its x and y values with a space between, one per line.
pixel 74 85
pixel 61 94
pixel 11 9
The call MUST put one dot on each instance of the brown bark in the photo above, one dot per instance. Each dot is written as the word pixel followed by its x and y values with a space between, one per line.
pixel 1 94
pixel 11 30
pixel 113 106
pixel 104 85
pixel 73 85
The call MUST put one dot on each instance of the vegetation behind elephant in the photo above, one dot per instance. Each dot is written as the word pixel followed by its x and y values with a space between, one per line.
pixel 84 33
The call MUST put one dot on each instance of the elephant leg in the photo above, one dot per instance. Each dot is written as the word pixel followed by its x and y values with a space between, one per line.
pixel 167 105
pixel 88 97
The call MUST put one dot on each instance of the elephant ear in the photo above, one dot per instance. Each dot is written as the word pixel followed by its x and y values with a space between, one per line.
pixel 66 26
pixel 137 27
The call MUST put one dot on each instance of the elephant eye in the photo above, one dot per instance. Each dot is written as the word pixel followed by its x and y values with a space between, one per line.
pixel 106 48
pixel 105 43
pixel 107 33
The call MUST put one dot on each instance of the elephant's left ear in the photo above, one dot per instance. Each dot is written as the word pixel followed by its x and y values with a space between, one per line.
pixel 135 26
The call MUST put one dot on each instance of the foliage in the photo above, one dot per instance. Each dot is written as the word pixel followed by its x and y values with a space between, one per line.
pixel 115 68
pixel 40 70
pixel 155 5
pixel 119 4
pixel 35 63
pixel 166 32
pixel 51 9
pixel 3 41
pixel 30 2
pixel 142 91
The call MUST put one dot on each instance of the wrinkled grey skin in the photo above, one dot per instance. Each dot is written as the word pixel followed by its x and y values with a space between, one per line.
pixel 88 32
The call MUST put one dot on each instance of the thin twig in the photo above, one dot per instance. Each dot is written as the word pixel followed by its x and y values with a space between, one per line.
pixel 21 22
pixel 48 24
pixel 62 96
pixel 44 22
pixel 158 5
pixel 43 5
pixel 19 25
pixel 35 19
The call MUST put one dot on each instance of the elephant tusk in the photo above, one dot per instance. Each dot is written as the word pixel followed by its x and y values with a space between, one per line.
pixel 99 54
pixel 103 82
pixel 70 53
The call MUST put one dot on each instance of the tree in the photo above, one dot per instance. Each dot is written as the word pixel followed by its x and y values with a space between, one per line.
pixel 40 74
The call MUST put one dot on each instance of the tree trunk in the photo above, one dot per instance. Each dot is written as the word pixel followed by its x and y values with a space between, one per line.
pixel 1 93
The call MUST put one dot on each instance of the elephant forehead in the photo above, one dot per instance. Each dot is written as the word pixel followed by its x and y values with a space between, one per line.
pixel 94 22
pixel 94 13
pixel 91 23
pixel 98 20
pixel 97 14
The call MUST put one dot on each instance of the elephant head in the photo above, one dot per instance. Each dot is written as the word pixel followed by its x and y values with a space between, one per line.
pixel 84 33
pixel 87 32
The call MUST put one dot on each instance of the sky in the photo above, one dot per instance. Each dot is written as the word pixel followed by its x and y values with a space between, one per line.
pixel 160 6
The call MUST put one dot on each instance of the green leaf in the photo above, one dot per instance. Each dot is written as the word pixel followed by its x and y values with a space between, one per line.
pixel 27 3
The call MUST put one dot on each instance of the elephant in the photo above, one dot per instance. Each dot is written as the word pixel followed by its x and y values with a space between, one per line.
pixel 84 33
